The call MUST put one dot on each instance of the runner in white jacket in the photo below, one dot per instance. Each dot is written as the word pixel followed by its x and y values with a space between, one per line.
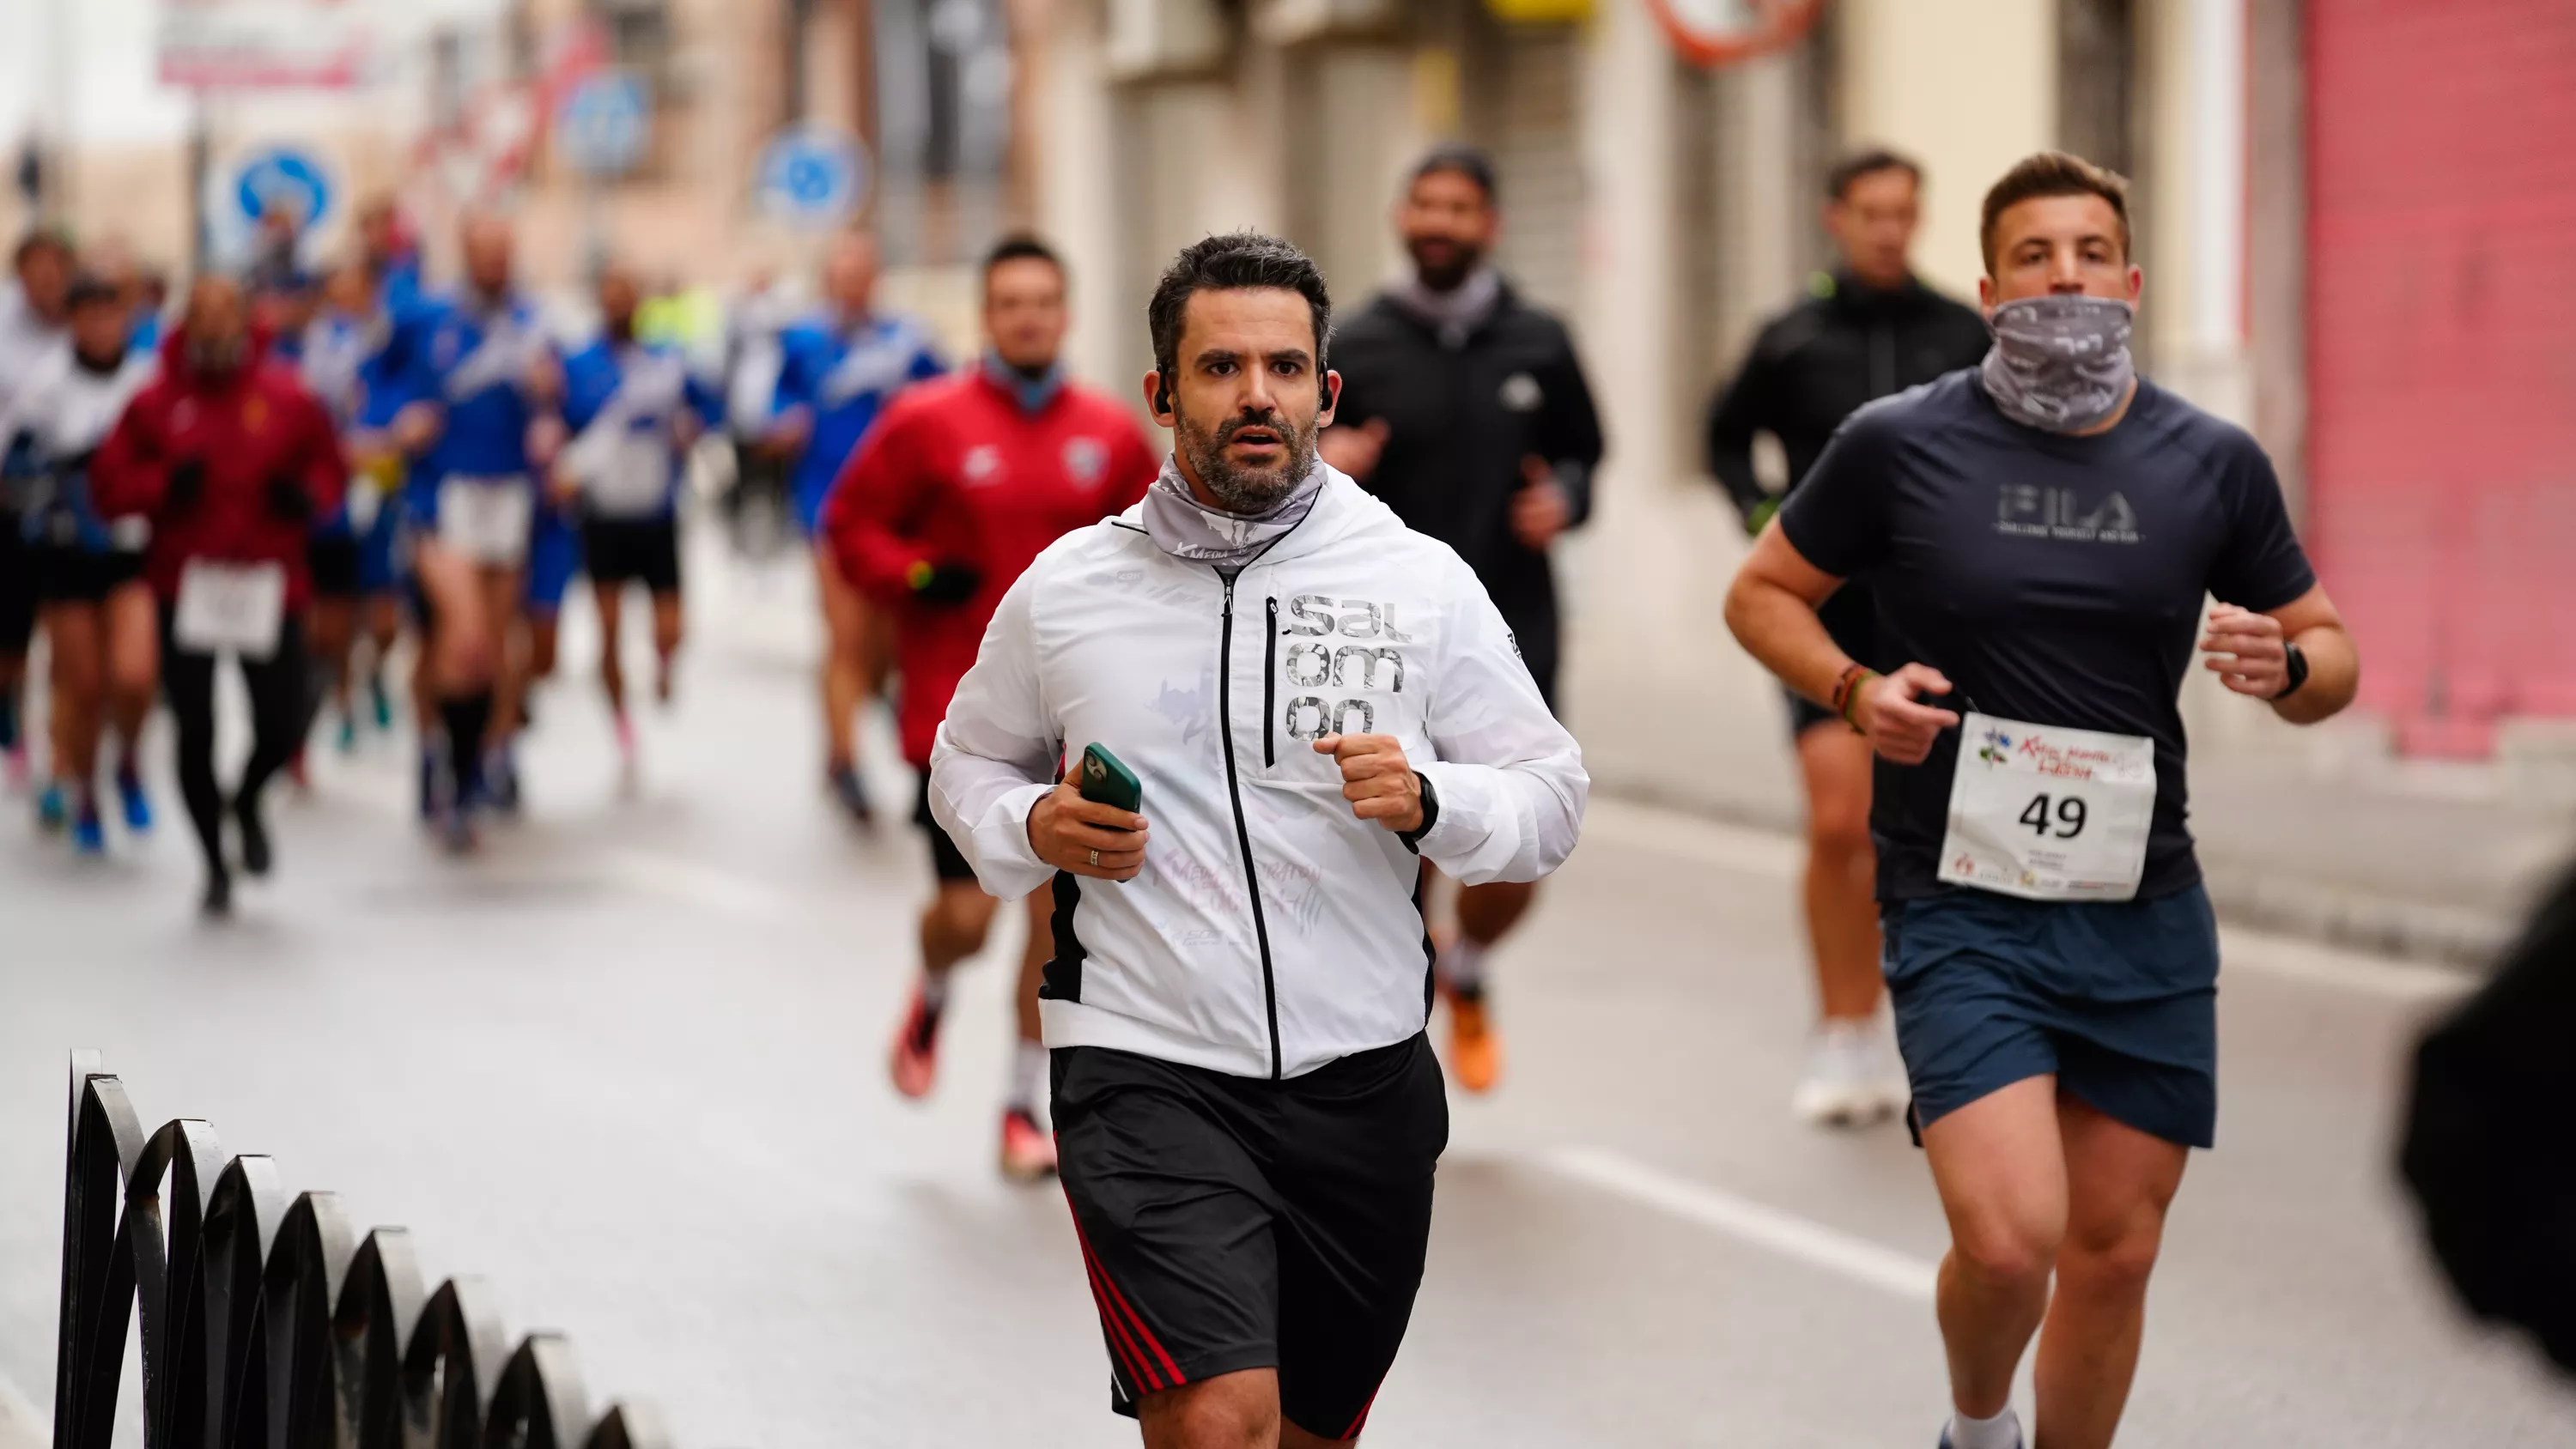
pixel 1312 695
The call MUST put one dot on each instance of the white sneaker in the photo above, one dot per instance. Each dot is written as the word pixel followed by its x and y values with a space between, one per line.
pixel 1844 1085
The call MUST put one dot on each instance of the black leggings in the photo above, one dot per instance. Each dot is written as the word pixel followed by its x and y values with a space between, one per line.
pixel 280 710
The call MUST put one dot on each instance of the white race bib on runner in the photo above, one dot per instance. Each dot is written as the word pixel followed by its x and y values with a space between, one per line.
pixel 487 519
pixel 2049 814
pixel 625 472
pixel 229 608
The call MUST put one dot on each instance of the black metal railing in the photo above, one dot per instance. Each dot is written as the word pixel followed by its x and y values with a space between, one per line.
pixel 268 1323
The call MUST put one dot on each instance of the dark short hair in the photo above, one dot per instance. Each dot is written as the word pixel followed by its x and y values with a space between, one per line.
pixel 1021 246
pixel 43 239
pixel 1838 182
pixel 2051 173
pixel 90 289
pixel 1236 261
pixel 1457 158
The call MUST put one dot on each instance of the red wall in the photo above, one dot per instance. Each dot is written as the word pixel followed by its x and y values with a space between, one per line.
pixel 2442 354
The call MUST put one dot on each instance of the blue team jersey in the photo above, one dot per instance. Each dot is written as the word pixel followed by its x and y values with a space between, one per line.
pixel 623 403
pixel 347 362
pixel 845 375
pixel 473 359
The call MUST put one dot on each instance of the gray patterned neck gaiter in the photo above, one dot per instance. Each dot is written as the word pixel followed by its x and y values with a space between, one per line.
pixel 1187 529
pixel 2060 364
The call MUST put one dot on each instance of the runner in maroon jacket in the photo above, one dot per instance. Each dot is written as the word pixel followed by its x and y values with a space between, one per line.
pixel 960 485
pixel 231 460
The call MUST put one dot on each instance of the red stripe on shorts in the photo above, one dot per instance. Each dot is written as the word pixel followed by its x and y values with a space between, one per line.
pixel 1171 1369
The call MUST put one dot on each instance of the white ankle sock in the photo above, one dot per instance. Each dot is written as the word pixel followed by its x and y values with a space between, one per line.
pixel 2003 1431
pixel 1462 965
pixel 1028 1082
pixel 934 991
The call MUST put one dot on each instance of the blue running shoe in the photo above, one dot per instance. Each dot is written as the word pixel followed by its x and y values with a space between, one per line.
pixel 348 741
pixel 131 799
pixel 53 808
pixel 380 702
pixel 89 832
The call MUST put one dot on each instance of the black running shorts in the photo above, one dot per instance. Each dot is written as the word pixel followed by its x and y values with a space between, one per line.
pixel 633 550
pixel 1232 1223
pixel 946 860
pixel 333 560
pixel 17 588
pixel 74 575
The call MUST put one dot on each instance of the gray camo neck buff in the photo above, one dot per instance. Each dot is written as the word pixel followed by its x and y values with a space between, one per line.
pixel 2060 363
pixel 1188 529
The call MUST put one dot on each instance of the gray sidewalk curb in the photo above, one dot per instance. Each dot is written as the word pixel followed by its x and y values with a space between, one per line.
pixel 2466 938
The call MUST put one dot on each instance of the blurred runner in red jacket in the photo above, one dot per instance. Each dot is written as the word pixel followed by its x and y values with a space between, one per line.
pixel 963 482
pixel 231 460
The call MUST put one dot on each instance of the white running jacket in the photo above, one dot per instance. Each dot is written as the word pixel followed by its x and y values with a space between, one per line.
pixel 1271 930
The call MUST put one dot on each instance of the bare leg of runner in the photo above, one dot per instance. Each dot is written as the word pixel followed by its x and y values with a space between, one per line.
pixel 668 622
pixel 133 673
pixel 2000 1166
pixel 846 670
pixel 609 600
pixel 77 647
pixel 1486 913
pixel 2120 1181
pixel 1231 1411
pixel 1851 1077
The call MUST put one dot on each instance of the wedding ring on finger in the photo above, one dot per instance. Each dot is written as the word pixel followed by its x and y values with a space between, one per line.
pixel 1095 857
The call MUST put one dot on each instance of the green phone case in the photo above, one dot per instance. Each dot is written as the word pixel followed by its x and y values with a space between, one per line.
pixel 1106 780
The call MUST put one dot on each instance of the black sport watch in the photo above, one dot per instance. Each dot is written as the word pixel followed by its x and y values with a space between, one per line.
pixel 2298 661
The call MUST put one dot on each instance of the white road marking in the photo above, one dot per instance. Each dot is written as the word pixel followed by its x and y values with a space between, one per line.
pixel 1774 856
pixel 1759 1224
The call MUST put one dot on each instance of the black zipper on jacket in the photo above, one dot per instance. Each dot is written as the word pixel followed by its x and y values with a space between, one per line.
pixel 1269 698
pixel 1243 832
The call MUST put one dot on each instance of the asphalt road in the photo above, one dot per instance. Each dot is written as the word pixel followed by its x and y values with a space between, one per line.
pixel 628 1065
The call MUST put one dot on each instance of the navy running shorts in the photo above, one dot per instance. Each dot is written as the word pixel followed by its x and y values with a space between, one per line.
pixel 1232 1223
pixel 2118 1000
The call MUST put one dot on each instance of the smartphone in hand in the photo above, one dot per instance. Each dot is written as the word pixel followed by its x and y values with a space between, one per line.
pixel 1106 780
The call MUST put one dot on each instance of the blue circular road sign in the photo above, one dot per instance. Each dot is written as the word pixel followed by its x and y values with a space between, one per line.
pixel 812 175
pixel 277 177
pixel 604 124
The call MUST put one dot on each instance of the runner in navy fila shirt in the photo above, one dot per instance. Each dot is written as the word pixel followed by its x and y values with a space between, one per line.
pixel 2039 533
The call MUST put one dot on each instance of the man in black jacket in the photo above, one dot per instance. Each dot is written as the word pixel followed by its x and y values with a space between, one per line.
pixel 1466 410
pixel 1869 329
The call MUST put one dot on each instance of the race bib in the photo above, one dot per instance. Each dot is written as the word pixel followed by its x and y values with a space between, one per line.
pixel 487 519
pixel 2049 814
pixel 227 608
pixel 625 472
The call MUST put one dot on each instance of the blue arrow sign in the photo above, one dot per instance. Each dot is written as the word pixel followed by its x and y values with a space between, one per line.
pixel 282 176
pixel 603 126
pixel 812 175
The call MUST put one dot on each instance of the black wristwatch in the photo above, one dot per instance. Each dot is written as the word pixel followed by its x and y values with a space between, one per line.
pixel 1430 815
pixel 2298 661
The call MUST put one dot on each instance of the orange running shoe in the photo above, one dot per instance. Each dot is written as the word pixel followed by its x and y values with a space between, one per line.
pixel 1028 1152
pixel 914 1060
pixel 1475 1048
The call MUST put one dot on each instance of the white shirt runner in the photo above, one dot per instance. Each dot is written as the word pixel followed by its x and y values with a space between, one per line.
pixel 227 608
pixel 2049 814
